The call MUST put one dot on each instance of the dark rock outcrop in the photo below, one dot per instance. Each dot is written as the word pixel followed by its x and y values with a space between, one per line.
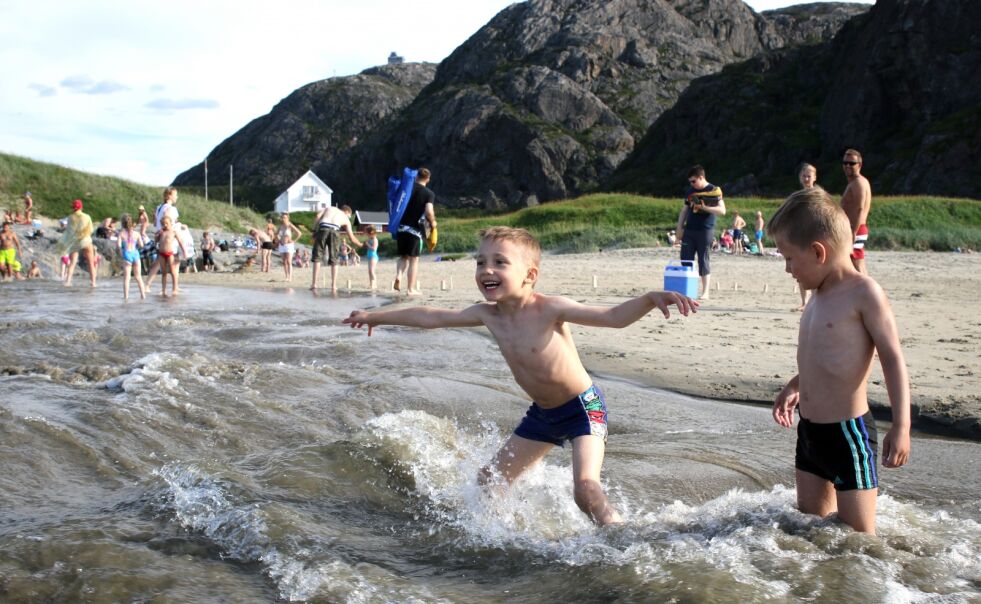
pixel 897 83
pixel 547 99
pixel 543 102
pixel 310 128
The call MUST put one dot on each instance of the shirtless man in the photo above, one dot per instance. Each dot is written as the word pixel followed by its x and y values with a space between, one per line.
pixel 28 208
pixel 9 248
pixel 856 201
pixel 738 224
pixel 331 225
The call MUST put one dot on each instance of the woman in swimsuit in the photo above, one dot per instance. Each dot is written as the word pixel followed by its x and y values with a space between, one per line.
pixel 130 242
pixel 286 246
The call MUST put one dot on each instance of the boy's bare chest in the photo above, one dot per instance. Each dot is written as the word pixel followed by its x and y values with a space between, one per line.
pixel 518 337
pixel 831 339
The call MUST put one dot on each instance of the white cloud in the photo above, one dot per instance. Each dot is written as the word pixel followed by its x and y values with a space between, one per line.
pixel 43 89
pixel 172 104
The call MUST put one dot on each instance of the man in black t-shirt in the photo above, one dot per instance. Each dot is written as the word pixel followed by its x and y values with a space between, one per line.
pixel 411 232
pixel 696 222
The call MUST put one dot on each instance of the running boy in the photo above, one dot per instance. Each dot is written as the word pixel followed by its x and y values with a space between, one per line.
pixel 847 320
pixel 532 332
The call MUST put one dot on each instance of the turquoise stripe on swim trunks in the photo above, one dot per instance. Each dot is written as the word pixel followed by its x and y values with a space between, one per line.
pixel 857 440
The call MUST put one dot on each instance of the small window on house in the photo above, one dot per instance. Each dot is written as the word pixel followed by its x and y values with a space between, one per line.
pixel 310 191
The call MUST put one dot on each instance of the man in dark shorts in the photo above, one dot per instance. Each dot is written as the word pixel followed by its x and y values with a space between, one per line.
pixel 696 222
pixel 410 234
pixel 332 224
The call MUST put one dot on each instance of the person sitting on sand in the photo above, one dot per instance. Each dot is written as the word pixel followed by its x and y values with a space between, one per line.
pixel 836 437
pixel 35 271
pixel 169 244
pixel 533 333
pixel 247 265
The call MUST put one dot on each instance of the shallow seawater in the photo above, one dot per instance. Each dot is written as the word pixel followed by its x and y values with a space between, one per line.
pixel 244 446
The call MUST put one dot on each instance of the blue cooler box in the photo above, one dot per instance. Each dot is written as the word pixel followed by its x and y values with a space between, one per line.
pixel 681 277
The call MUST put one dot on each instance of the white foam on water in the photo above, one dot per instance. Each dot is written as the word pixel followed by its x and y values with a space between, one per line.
pixel 149 374
pixel 200 504
pixel 749 536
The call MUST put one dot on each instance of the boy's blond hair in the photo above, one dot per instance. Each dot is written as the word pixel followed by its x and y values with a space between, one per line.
pixel 520 237
pixel 811 215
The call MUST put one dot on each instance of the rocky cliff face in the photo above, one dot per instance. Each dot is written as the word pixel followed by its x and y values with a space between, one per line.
pixel 548 98
pixel 543 102
pixel 897 83
pixel 312 127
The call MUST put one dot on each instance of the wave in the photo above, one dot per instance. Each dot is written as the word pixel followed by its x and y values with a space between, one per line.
pixel 757 542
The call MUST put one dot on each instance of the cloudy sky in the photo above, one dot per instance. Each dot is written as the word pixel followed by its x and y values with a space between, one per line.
pixel 144 90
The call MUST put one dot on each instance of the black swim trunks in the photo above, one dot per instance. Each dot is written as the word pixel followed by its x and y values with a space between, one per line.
pixel 842 453
pixel 582 415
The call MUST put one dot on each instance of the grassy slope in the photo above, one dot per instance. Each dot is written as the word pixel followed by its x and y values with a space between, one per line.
pixel 54 187
pixel 588 223
pixel 615 220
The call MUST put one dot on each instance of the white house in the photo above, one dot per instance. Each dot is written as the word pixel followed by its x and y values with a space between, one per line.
pixel 307 194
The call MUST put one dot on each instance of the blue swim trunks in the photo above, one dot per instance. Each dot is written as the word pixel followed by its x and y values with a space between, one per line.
pixel 582 415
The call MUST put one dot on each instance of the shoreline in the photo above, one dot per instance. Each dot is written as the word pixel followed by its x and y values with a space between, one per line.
pixel 741 345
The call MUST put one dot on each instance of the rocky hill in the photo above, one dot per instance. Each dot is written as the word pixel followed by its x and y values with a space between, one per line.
pixel 543 102
pixel 311 128
pixel 548 98
pixel 896 83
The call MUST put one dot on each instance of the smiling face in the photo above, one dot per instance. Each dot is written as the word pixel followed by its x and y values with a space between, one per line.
pixel 504 270
pixel 851 165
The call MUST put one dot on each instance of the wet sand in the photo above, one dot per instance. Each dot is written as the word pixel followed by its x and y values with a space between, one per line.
pixel 741 346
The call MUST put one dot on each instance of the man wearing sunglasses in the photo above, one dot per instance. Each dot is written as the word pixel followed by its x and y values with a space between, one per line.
pixel 856 201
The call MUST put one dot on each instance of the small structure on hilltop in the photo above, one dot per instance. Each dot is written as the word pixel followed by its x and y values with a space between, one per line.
pixel 394 59
pixel 379 220
pixel 307 194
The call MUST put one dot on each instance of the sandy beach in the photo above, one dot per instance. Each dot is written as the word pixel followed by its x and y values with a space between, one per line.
pixel 741 346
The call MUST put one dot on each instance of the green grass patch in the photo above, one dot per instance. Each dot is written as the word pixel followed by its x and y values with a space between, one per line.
pixel 611 221
pixel 54 187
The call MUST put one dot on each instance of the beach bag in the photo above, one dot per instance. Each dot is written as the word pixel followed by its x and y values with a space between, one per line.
pixel 399 192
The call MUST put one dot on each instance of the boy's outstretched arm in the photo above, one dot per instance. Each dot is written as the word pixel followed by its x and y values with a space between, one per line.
pixel 625 313
pixel 881 325
pixel 425 317
pixel 783 407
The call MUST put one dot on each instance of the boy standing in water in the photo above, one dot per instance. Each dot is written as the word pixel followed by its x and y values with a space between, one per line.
pixel 532 332
pixel 847 320
pixel 168 244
